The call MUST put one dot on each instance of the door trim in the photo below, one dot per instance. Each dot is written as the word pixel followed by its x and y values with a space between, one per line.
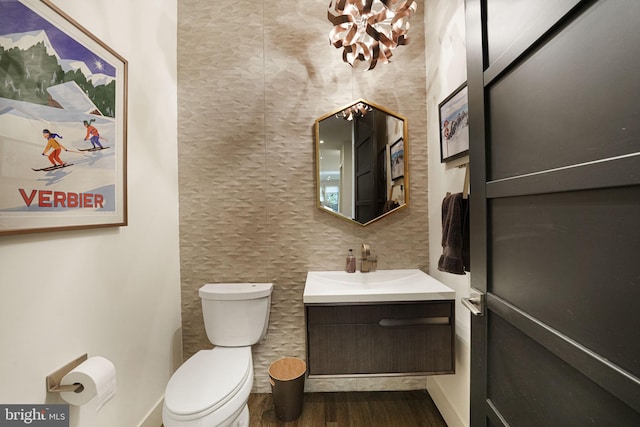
pixel 616 171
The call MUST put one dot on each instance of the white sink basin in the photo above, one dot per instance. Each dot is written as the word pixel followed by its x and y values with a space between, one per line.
pixel 377 286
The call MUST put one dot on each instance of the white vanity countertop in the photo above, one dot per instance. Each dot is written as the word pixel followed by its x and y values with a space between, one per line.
pixel 378 286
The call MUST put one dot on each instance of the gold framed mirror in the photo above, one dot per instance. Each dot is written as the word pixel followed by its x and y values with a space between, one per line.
pixel 362 160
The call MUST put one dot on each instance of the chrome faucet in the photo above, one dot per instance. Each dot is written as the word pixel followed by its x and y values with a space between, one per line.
pixel 368 262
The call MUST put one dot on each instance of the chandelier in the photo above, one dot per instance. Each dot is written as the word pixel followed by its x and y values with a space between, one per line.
pixel 359 109
pixel 369 30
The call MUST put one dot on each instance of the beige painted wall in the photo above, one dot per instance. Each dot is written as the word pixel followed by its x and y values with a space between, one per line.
pixel 252 78
pixel 446 70
pixel 111 292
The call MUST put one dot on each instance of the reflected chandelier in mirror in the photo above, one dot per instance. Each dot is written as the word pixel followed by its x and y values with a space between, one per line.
pixel 361 162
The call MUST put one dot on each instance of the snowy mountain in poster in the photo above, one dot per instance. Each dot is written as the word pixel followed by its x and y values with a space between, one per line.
pixel 23 41
pixel 29 64
pixel 40 90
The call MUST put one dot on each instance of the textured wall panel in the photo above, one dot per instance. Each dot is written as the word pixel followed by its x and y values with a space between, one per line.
pixel 252 81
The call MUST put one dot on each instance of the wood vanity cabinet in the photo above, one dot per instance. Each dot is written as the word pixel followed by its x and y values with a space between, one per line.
pixel 379 339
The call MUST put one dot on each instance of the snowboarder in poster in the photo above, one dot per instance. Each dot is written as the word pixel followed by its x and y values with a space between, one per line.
pixel 55 146
pixel 92 133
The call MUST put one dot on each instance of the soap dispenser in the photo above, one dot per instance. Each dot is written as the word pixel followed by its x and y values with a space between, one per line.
pixel 351 262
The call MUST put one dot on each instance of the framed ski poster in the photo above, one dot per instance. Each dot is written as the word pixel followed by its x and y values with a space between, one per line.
pixel 63 123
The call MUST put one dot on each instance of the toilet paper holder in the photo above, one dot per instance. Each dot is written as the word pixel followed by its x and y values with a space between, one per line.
pixel 53 380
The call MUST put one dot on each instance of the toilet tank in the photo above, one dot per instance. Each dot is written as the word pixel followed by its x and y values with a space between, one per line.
pixel 236 314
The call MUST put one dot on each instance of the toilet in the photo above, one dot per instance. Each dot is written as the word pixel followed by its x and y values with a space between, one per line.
pixel 212 388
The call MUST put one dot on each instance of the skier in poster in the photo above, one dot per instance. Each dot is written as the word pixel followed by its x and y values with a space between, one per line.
pixel 55 146
pixel 92 133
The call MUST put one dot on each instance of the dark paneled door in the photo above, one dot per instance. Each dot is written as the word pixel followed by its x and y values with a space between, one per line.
pixel 365 171
pixel 554 95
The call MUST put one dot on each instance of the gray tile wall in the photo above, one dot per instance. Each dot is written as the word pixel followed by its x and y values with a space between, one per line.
pixel 252 78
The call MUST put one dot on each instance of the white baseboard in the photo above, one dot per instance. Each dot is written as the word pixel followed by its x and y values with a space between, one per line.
pixel 451 417
pixel 154 417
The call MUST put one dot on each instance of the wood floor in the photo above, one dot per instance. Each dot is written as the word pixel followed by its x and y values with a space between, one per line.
pixel 353 409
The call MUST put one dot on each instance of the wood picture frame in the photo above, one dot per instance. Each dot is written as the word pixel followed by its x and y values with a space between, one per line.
pixel 63 123
pixel 453 115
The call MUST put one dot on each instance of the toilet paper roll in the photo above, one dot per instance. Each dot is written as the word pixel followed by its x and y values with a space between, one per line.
pixel 97 376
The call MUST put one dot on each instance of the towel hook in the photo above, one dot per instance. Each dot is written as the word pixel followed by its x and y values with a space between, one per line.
pixel 465 189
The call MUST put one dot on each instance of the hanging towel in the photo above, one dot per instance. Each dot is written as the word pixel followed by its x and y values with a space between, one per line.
pixel 455 235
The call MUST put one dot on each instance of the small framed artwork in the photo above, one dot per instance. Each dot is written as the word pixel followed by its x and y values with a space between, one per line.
pixel 453 114
pixel 63 123
pixel 397 159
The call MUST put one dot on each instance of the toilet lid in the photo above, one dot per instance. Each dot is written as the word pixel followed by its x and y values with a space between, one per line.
pixel 207 380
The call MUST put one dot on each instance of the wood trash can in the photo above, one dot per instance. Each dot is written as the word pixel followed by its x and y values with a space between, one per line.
pixel 286 376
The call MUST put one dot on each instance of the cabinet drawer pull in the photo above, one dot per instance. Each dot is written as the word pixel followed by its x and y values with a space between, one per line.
pixel 417 321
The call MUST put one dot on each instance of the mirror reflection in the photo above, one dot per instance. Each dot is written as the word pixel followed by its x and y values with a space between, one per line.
pixel 361 162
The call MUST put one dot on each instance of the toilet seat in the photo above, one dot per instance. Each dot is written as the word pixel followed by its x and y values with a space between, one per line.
pixel 207 381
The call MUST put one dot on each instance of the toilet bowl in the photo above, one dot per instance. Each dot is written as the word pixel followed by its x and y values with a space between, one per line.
pixel 210 389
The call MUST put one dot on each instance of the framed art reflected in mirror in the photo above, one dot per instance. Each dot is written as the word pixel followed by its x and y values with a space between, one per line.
pixel 397 159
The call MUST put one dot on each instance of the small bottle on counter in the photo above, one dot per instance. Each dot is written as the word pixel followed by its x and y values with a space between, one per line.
pixel 351 262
